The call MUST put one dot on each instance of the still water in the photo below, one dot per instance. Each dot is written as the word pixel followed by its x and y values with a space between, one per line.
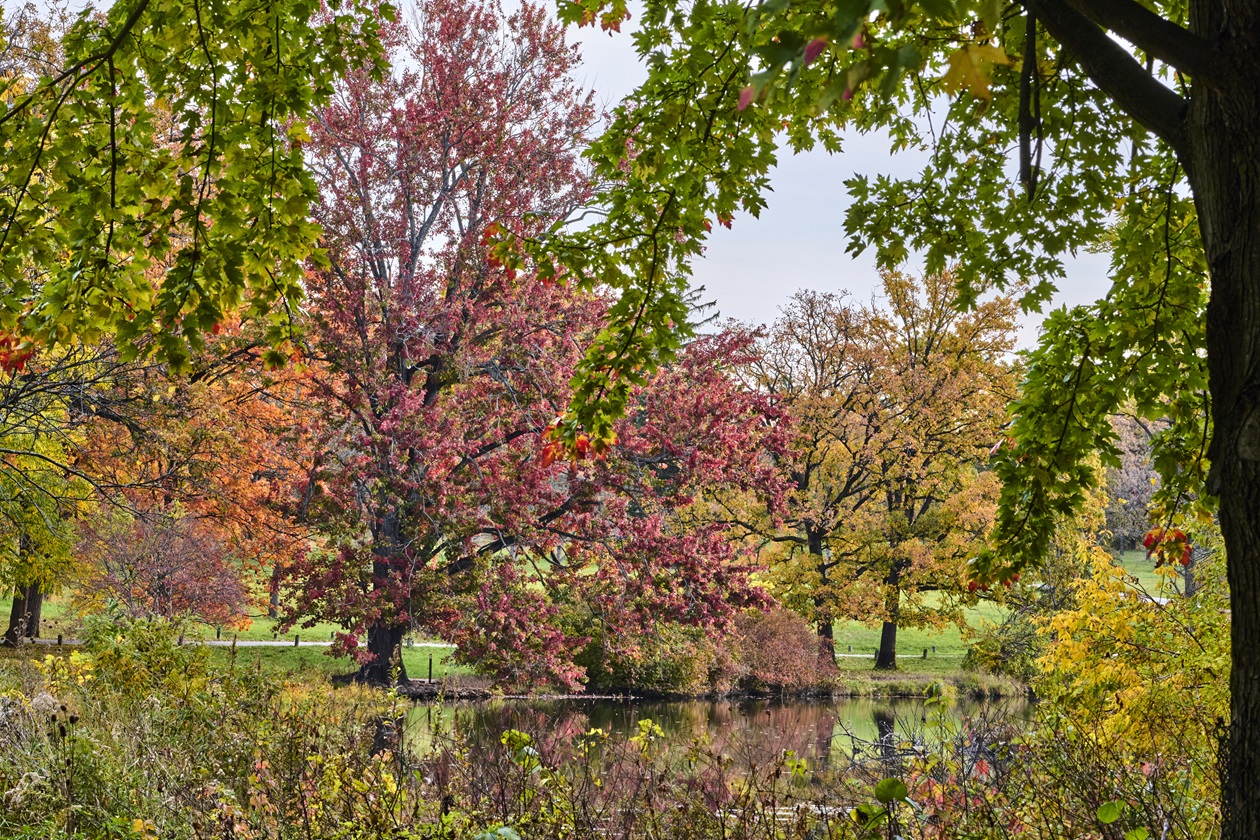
pixel 817 730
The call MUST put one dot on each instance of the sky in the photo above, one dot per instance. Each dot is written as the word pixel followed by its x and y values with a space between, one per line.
pixel 798 241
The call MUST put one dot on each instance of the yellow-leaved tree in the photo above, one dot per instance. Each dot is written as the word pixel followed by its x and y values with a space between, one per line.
pixel 895 407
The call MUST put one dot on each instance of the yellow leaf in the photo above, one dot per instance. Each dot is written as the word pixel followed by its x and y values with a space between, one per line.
pixel 971 67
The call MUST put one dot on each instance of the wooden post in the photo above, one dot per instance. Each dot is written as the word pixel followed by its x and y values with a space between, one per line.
pixel 925 653
pixel 430 667
pixel 296 639
pixel 58 640
pixel 218 633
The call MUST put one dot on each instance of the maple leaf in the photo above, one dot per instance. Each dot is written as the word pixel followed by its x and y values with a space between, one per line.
pixel 971 67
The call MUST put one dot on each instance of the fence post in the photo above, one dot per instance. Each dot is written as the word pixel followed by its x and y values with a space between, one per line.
pixel 430 667
pixel 58 640
pixel 296 639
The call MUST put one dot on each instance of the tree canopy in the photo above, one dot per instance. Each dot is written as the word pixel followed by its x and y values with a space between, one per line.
pixel 152 179
pixel 1051 126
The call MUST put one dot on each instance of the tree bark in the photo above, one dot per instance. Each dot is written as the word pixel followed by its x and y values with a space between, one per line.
pixel 886 657
pixel 24 616
pixel 384 641
pixel 273 603
pixel 1223 162
pixel 822 604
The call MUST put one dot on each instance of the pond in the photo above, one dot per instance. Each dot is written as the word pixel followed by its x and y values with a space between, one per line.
pixel 820 731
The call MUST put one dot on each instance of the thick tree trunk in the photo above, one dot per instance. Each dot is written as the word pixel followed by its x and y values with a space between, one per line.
pixel 24 616
pixel 385 644
pixel 1222 151
pixel 385 637
pixel 886 657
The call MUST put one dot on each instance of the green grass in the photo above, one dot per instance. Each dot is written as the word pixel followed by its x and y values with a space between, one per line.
pixel 57 616
pixel 1137 564
pixel 911 642
pixel 305 661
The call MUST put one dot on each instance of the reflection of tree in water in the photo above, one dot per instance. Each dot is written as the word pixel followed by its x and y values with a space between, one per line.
pixel 828 735
pixel 886 729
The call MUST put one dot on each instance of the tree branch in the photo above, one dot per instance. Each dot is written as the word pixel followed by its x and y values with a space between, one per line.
pixel 1115 72
pixel 1158 36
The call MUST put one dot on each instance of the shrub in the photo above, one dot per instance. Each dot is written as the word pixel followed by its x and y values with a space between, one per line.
pixel 776 649
pixel 673 659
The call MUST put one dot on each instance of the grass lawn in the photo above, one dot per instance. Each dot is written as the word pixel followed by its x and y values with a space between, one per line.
pixel 949 643
pixel 1140 566
pixel 57 616
pixel 304 661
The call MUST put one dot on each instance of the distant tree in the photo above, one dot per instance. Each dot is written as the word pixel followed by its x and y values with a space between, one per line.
pixel 165 564
pixel 894 411
pixel 1131 486
pixel 225 445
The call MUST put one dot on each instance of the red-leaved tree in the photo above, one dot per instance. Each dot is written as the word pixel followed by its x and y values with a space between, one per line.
pixel 440 372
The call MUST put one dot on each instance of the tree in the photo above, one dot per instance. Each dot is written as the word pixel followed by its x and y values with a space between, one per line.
pixel 894 410
pixel 166 564
pixel 440 371
pixel 1132 484
pixel 163 136
pixel 1067 125
pixel 215 463
pixel 47 400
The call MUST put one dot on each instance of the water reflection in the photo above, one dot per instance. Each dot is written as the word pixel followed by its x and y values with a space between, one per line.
pixel 756 731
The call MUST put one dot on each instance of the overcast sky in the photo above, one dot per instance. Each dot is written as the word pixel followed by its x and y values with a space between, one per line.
pixel 798 241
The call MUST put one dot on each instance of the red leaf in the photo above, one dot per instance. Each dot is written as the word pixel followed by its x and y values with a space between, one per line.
pixel 814 49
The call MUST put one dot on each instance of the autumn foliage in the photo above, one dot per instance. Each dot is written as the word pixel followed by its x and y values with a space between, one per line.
pixel 440 370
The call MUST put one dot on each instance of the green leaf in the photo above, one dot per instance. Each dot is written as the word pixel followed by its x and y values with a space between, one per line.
pixel 1109 812
pixel 891 790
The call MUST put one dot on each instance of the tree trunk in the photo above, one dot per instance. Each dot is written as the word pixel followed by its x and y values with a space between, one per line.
pixel 273 605
pixel 385 636
pixel 826 640
pixel 385 644
pixel 24 616
pixel 822 603
pixel 886 657
pixel 1190 583
pixel 1222 157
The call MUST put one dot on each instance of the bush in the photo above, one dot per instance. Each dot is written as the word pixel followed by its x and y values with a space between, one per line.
pixel 674 659
pixel 776 649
